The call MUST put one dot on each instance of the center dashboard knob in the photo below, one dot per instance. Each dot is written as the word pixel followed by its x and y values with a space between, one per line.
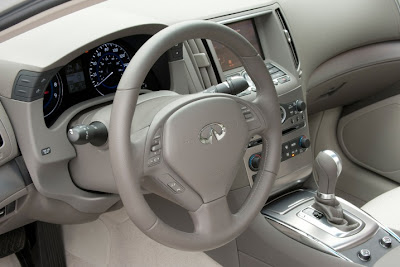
pixel 254 162
pixel 300 105
pixel 304 142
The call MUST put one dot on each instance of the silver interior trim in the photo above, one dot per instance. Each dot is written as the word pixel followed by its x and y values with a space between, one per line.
pixel 385 228
pixel 327 227
pixel 342 243
pixel 239 18
pixel 311 238
pixel 325 196
pixel 337 160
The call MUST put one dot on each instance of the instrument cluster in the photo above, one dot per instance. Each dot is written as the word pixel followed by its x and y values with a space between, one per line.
pixel 97 72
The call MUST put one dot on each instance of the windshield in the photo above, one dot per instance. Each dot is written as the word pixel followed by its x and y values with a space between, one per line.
pixel 15 11
pixel 6 5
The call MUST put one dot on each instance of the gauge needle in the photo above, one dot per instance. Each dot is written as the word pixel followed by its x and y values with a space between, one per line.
pixel 99 83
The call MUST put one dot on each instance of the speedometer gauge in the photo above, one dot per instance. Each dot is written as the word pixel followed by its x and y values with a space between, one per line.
pixel 106 67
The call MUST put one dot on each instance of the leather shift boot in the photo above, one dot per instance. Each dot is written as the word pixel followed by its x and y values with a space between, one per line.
pixel 333 211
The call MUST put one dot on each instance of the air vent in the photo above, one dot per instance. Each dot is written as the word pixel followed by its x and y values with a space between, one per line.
pixel 288 37
pixel 201 60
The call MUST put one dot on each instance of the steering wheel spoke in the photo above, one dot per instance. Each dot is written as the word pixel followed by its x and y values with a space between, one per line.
pixel 212 218
pixel 254 118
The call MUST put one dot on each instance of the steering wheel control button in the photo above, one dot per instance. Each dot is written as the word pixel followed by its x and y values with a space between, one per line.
pixel 157 135
pixel 248 115
pixel 251 119
pixel 46 151
pixel 154 161
pixel 364 255
pixel 155 147
pixel 177 188
pixel 155 153
pixel 385 242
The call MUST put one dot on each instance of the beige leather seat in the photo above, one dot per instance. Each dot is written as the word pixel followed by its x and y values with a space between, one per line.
pixel 385 209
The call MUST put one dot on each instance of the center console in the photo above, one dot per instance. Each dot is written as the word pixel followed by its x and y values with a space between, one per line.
pixel 295 216
pixel 325 222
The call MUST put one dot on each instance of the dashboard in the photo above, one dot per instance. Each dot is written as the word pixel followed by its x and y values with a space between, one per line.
pixel 85 66
pixel 96 73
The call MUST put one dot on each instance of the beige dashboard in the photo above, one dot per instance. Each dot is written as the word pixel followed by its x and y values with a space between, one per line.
pixel 320 30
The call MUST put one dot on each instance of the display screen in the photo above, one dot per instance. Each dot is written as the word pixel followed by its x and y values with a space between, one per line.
pixel 75 77
pixel 227 58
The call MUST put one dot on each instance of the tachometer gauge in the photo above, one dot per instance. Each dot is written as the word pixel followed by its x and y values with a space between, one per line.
pixel 106 67
pixel 52 96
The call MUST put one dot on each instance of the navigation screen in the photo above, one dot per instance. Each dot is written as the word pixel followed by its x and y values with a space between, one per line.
pixel 75 76
pixel 229 60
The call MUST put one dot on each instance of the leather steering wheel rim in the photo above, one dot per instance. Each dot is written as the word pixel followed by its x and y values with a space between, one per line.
pixel 214 227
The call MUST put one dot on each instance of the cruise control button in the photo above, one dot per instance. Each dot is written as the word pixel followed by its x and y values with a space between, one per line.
pixel 156 147
pixel 158 134
pixel 155 153
pixel 177 188
pixel 153 161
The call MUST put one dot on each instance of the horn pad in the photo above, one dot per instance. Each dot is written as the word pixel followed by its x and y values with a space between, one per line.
pixel 203 143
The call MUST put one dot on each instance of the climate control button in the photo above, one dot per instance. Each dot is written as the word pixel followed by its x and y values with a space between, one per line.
pixel 304 142
pixel 254 162
pixel 300 105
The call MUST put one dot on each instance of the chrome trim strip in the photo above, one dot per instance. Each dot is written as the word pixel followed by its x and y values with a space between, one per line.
pixel 337 160
pixel 242 17
pixel 325 196
pixel 328 248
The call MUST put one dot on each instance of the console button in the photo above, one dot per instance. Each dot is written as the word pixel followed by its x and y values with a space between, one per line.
pixel 318 214
pixel 284 79
pixel 277 75
pixel 364 255
pixel 386 242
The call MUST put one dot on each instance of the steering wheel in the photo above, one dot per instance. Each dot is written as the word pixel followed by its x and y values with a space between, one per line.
pixel 193 146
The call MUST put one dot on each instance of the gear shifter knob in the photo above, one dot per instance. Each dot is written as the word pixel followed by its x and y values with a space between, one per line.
pixel 327 168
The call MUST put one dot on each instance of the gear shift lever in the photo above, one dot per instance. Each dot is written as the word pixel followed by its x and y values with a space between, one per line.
pixel 327 168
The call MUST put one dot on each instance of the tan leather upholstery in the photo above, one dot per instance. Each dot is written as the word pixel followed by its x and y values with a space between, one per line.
pixel 385 209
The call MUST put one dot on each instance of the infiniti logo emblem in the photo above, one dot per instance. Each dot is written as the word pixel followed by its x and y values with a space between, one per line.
pixel 212 131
